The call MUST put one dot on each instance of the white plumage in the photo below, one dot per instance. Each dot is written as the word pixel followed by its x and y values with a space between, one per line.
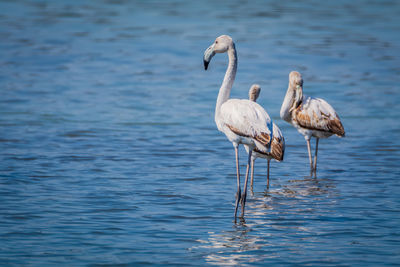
pixel 241 120
pixel 246 120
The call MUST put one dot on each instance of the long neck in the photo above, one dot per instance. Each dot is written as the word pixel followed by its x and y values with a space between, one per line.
pixel 225 90
pixel 287 104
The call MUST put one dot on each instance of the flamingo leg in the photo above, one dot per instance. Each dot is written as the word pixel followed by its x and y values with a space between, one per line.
pixel 252 173
pixel 315 155
pixel 238 193
pixel 309 154
pixel 268 174
pixel 244 194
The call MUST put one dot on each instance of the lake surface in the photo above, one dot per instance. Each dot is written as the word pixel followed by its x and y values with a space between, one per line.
pixel 110 154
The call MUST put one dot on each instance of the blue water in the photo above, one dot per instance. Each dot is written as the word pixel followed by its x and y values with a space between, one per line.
pixel 110 154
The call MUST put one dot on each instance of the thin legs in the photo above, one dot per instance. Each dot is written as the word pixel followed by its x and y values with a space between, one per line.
pixel 241 197
pixel 315 155
pixel 252 173
pixel 313 165
pixel 244 194
pixel 309 154
pixel 238 193
pixel 268 174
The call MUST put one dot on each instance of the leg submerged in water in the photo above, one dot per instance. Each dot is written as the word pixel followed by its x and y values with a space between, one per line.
pixel 268 173
pixel 238 193
pixel 244 194
pixel 252 173
pixel 316 154
pixel 309 155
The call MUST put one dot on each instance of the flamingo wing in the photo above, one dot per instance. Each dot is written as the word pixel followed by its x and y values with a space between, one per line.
pixel 277 144
pixel 317 114
pixel 247 118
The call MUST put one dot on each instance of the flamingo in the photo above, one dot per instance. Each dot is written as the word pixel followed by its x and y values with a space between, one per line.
pixel 241 120
pixel 277 144
pixel 310 116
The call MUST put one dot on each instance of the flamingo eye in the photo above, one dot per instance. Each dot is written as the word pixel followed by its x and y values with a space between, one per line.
pixel 216 42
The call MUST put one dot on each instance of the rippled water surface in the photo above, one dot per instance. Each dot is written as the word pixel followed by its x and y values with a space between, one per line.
pixel 110 154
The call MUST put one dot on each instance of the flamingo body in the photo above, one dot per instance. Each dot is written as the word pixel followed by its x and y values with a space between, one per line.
pixel 315 117
pixel 246 122
pixel 241 120
pixel 312 117
pixel 277 147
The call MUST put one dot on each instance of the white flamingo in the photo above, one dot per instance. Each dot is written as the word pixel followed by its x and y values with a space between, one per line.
pixel 310 116
pixel 277 144
pixel 243 121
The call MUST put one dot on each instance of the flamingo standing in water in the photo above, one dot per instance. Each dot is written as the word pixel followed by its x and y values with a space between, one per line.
pixel 310 116
pixel 277 144
pixel 241 120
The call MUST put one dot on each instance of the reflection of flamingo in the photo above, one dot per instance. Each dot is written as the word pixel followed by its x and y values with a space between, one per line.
pixel 310 116
pixel 243 121
pixel 277 144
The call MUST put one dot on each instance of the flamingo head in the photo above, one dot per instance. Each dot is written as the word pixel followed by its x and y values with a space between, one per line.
pixel 222 44
pixel 254 92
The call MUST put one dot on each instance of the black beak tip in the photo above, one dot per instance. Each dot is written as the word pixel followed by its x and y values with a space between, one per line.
pixel 206 64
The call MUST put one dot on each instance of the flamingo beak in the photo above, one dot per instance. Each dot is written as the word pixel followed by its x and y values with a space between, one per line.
pixel 208 54
pixel 299 90
pixel 297 98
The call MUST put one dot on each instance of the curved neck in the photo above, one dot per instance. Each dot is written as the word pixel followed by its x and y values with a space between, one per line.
pixel 287 104
pixel 225 90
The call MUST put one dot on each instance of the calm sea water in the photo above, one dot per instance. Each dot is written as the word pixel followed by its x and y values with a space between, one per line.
pixel 110 155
